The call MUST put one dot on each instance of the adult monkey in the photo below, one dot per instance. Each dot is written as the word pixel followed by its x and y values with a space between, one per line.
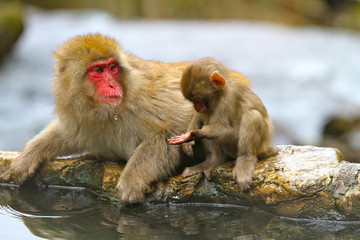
pixel 114 105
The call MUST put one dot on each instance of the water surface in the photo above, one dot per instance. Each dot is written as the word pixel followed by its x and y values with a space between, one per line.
pixel 49 213
pixel 303 75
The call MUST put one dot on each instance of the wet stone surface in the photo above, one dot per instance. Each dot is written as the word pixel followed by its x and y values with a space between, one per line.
pixel 299 182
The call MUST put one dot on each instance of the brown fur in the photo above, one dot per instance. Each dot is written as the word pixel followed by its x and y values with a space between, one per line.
pixel 236 123
pixel 152 109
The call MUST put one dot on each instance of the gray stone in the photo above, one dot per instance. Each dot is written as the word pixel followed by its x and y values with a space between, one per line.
pixel 299 182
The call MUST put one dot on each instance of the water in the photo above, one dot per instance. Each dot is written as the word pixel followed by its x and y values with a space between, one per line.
pixel 78 214
pixel 303 75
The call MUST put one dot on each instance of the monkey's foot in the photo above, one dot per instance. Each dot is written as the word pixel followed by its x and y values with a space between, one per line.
pixel 188 148
pixel 242 173
pixel 271 151
pixel 190 171
pixel 131 192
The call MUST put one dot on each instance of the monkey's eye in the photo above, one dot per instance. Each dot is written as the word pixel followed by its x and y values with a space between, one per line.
pixel 113 67
pixel 98 70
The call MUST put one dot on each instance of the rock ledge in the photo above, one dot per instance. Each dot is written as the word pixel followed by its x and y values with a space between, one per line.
pixel 300 182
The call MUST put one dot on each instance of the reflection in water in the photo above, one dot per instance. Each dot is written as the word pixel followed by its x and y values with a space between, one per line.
pixel 59 214
pixel 65 214
pixel 79 214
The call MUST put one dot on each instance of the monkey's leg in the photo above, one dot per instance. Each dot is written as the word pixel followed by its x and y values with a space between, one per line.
pixel 270 151
pixel 204 167
pixel 217 132
pixel 251 137
pixel 48 144
pixel 151 161
pixel 188 148
pixel 214 158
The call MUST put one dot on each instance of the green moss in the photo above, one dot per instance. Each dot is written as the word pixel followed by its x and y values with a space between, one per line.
pixel 11 25
pixel 88 174
pixel 338 126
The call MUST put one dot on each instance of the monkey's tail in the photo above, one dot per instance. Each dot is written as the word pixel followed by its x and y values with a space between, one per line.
pixel 271 151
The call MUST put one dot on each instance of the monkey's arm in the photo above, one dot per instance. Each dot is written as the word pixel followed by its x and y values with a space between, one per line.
pixel 47 145
pixel 194 124
pixel 183 138
pixel 213 131
pixel 151 161
pixel 187 144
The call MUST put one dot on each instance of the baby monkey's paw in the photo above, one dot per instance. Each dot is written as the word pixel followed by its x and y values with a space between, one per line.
pixel 199 168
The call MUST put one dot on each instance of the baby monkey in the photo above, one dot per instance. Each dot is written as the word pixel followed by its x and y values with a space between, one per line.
pixel 230 118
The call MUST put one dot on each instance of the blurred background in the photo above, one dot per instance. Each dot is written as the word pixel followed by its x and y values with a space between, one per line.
pixel 303 57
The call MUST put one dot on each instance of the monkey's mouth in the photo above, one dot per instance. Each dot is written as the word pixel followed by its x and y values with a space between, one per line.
pixel 111 99
pixel 200 106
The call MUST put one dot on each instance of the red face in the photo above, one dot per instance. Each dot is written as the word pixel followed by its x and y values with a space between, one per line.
pixel 200 106
pixel 105 75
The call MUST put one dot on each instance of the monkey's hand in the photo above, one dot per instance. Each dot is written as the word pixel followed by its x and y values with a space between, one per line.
pixel 131 190
pixel 183 138
pixel 145 166
pixel 205 167
pixel 23 167
pixel 242 172
pixel 43 147
pixel 5 176
pixel 190 171
pixel 188 148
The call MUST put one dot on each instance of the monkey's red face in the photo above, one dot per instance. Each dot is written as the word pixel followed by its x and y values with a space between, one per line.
pixel 105 75
pixel 200 105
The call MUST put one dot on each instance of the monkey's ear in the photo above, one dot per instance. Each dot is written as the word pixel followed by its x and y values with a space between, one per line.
pixel 217 80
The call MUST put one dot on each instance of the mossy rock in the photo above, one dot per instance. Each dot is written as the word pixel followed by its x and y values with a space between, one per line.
pixel 300 182
pixel 11 25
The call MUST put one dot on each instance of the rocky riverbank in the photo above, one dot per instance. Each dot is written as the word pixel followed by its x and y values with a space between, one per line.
pixel 300 182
